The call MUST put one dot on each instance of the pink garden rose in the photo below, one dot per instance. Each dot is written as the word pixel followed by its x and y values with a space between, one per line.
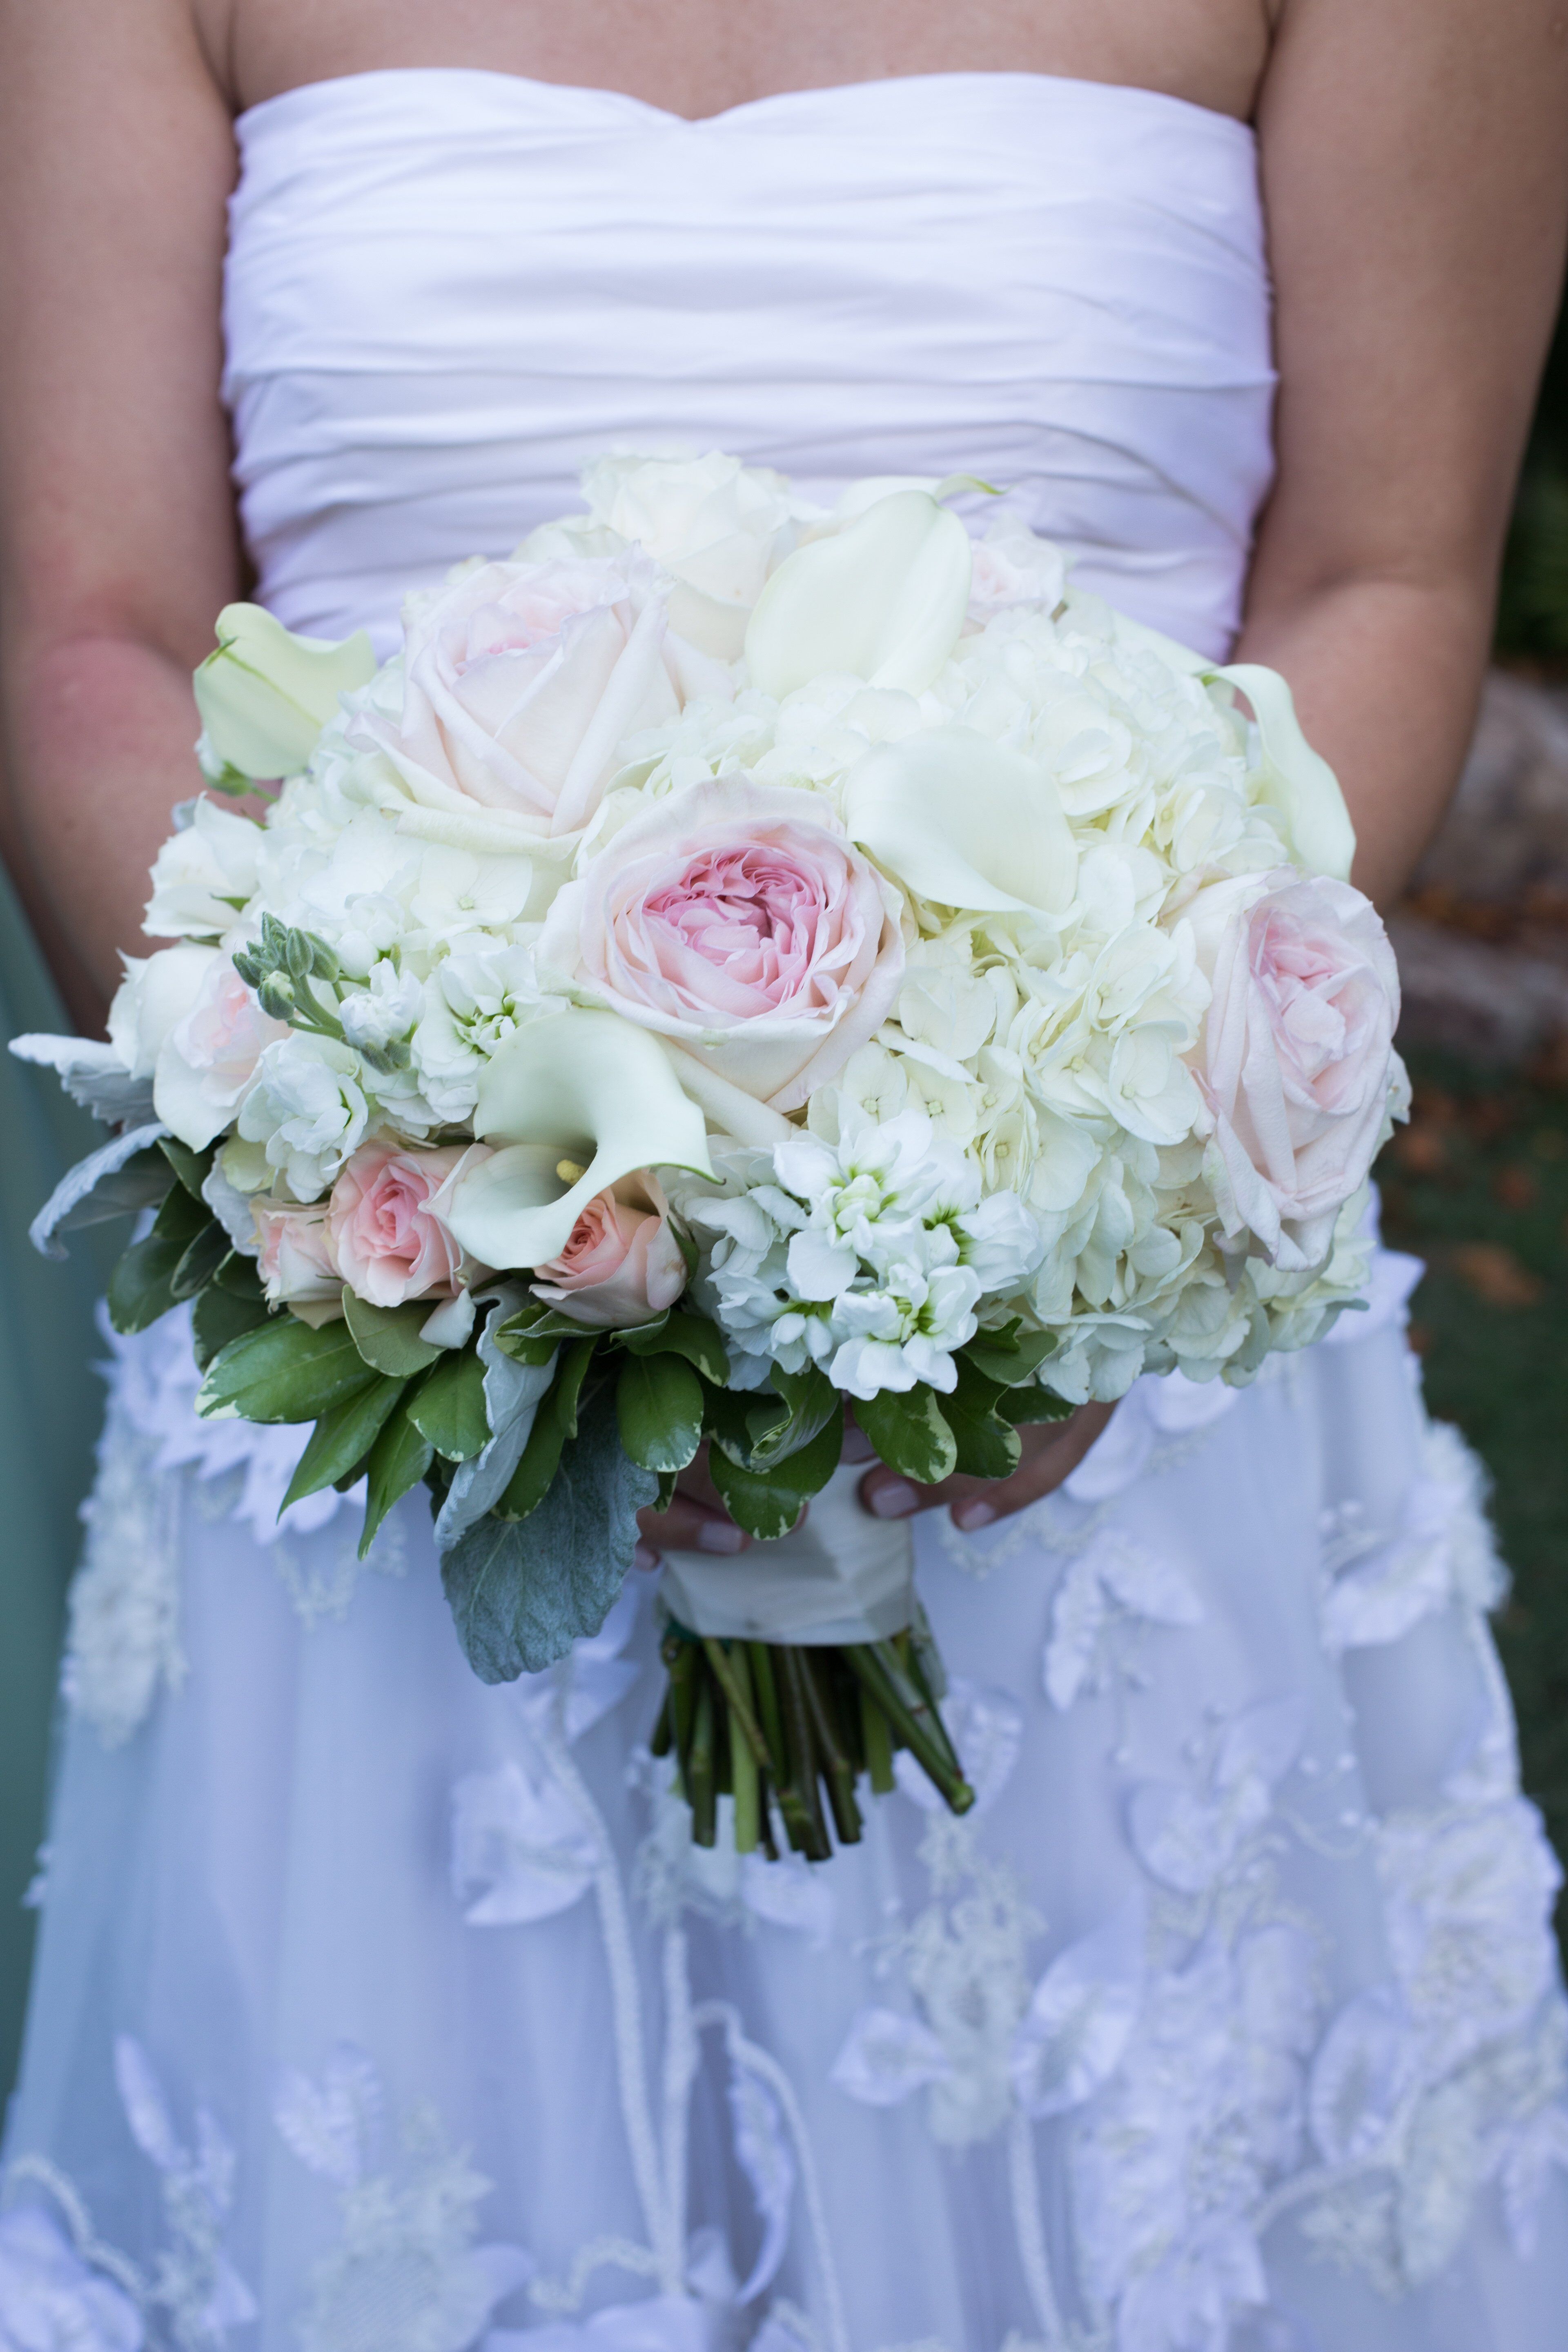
pixel 621 1263
pixel 1296 1059
pixel 389 1237
pixel 521 680
pixel 739 921
pixel 209 1058
pixel 297 1263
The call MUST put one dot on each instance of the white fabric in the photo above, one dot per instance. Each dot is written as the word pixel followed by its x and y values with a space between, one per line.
pixel 840 1576
pixel 381 2011
pixel 448 289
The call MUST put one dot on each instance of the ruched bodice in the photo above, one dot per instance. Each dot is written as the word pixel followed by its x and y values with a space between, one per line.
pixel 447 289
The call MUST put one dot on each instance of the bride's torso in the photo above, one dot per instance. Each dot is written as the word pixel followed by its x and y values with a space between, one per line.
pixel 447 287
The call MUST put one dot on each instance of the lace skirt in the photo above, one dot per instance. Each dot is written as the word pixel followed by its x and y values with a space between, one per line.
pixel 379 2011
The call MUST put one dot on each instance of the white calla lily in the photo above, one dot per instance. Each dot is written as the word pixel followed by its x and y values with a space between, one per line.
pixel 964 821
pixel 1298 781
pixel 582 1091
pixel 873 488
pixel 265 694
pixel 884 599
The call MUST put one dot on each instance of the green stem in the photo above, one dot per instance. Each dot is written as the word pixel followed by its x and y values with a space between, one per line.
pixel 801 1792
pixel 838 1773
pixel 681 1664
pixel 904 1668
pixel 877 1741
pixel 729 1671
pixel 760 1657
pixel 744 1763
pixel 942 1769
pixel 701 1791
pixel 663 1736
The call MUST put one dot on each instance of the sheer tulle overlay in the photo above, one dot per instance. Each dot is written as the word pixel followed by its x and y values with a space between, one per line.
pixel 379 2011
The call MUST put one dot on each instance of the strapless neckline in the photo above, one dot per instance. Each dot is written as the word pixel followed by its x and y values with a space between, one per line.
pixel 584 99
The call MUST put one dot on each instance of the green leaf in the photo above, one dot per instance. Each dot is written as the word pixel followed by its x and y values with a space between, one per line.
pixel 568 1385
pixel 812 1401
pixel 139 1288
pixel 449 1409
pixel 219 1316
pixel 398 1460
pixel 988 1447
pixel 767 1503
pixel 284 1371
pixel 521 1594
pixel 659 1411
pixel 533 1333
pixel 191 1167
pixel 388 1337
pixel 342 1438
pixel 683 1334
pixel 539 1460
pixel 740 1420
pixel 537 1320
pixel 238 1276
pixel 1023 1405
pixel 1009 1356
pixel 182 1217
pixel 200 1262
pixel 910 1433
pixel 667 1479
pixel 555 1425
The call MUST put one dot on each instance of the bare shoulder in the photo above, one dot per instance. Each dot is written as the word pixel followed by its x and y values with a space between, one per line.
pixel 116 158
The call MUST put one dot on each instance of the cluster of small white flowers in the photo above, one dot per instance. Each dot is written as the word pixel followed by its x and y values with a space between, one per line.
pixel 868 1256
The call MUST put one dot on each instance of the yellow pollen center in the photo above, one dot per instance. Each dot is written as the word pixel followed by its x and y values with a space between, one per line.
pixel 569 1171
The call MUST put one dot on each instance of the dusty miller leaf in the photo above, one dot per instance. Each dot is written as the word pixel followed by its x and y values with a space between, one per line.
pixel 521 1591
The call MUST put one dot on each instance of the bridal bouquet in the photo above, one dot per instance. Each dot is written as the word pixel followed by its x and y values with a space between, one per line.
pixel 736 958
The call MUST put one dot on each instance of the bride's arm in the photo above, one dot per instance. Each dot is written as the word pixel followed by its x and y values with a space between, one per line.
pixel 117 538
pixel 1414 161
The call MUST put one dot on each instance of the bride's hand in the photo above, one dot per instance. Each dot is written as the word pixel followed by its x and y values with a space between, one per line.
pixel 695 1521
pixel 1052 1451
pixel 698 1521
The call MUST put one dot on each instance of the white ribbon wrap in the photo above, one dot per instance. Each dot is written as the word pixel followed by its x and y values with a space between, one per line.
pixel 841 1576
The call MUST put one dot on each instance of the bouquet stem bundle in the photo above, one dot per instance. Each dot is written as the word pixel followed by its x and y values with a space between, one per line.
pixel 797 1727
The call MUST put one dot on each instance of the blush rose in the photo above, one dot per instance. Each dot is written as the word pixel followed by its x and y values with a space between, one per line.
pixel 521 680
pixel 296 1262
pixel 740 921
pixel 1296 1059
pixel 208 1059
pixel 621 1263
pixel 385 1225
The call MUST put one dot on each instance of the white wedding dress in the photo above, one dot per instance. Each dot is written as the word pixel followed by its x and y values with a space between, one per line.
pixel 379 2011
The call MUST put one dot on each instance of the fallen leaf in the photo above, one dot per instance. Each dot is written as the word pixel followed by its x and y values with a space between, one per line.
pixel 1421 1150
pixel 1515 1188
pixel 1495 1275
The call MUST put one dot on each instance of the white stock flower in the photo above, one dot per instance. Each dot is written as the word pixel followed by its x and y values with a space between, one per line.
pixel 308 1108
pixel 865 1196
pixel 906 1331
pixel 385 1010
pixel 473 1003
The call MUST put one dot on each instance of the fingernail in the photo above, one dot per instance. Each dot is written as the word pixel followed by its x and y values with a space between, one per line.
pixel 968 1516
pixel 721 1535
pixel 894 1501
pixel 645 1556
